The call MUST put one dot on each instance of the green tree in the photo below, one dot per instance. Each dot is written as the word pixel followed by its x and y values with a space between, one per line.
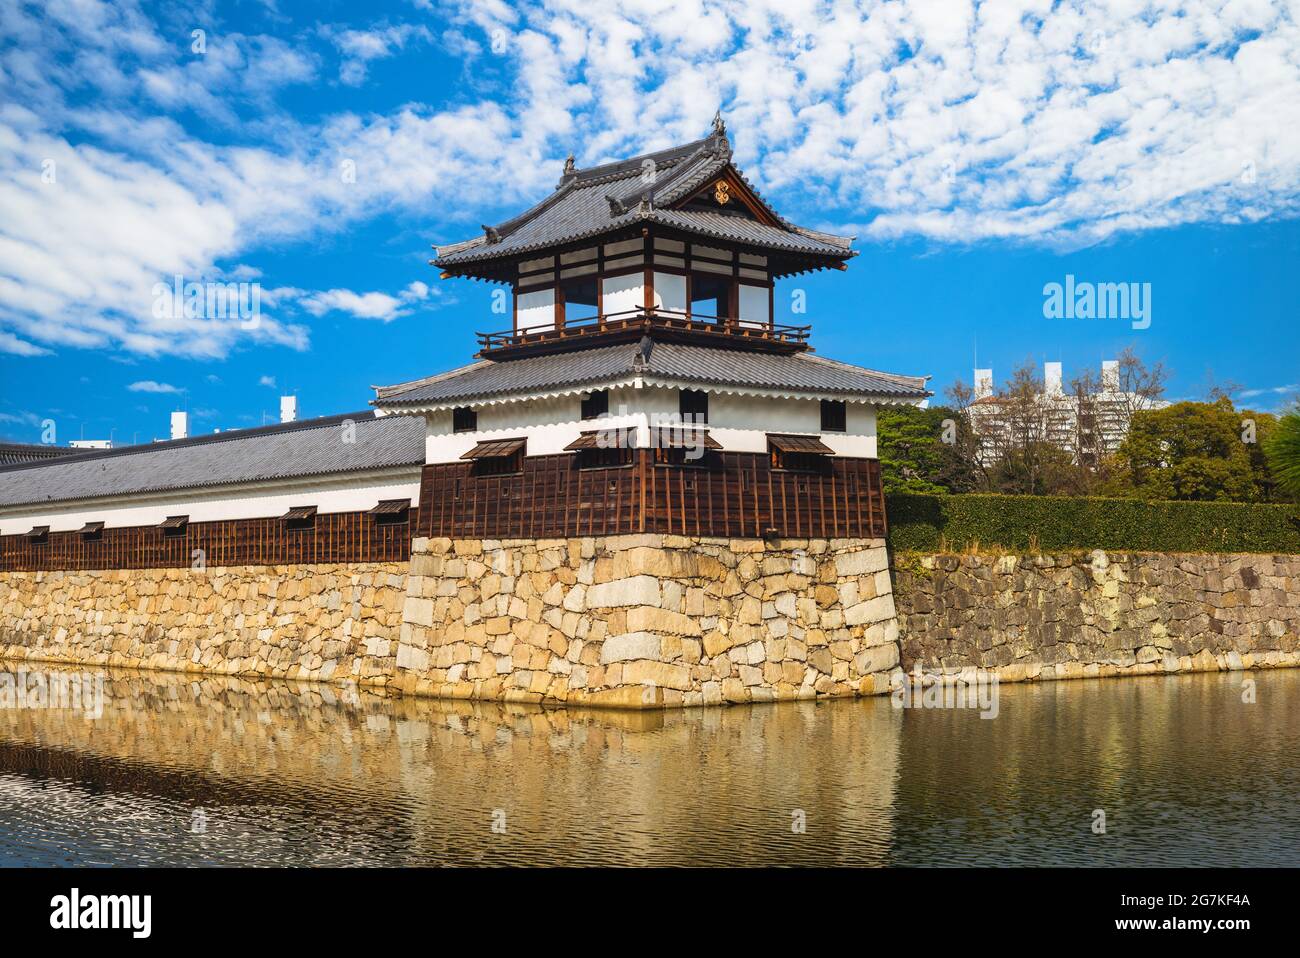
pixel 922 450
pixel 1282 450
pixel 1189 450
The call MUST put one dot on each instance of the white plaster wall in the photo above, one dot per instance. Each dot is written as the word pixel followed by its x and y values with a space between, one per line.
pixel 621 294
pixel 670 292
pixel 535 309
pixel 755 306
pixel 549 424
pixel 263 500
pixel 739 423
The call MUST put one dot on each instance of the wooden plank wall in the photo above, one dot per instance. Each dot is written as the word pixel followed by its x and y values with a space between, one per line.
pixel 741 496
pixel 338 537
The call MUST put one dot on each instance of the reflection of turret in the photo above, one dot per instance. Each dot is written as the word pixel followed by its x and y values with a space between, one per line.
pixel 296 774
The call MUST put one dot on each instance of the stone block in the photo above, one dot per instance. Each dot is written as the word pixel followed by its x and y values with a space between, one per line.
pixel 653 619
pixel 864 562
pixel 630 645
pixel 634 590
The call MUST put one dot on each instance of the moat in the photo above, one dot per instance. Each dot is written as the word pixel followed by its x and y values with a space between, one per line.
pixel 178 770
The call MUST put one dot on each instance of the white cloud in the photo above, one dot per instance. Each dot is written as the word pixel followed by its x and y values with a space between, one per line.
pixel 360 47
pixel 374 305
pixel 149 386
pixel 1271 391
pixel 268 381
pixel 9 343
pixel 1030 122
pixel 21 418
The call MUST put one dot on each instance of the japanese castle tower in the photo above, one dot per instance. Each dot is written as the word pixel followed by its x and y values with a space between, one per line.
pixel 643 385
pixel 644 493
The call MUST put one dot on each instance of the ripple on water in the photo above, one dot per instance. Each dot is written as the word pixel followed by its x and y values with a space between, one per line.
pixel 179 771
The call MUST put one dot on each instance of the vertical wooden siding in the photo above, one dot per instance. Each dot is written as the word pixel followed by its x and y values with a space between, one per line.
pixel 337 537
pixel 741 496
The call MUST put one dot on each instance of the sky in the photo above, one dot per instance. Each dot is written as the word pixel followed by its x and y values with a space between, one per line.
pixel 979 152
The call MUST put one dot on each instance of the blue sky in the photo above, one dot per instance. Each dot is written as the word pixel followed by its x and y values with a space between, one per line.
pixel 978 152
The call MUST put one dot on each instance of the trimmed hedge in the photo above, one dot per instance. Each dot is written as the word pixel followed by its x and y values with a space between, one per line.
pixel 917 523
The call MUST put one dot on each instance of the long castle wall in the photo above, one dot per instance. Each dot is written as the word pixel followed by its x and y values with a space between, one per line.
pixel 633 621
pixel 1041 617
pixel 651 621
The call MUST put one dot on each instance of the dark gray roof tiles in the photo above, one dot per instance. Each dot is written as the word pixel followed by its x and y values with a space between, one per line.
pixel 581 208
pixel 313 447
pixel 13 452
pixel 800 372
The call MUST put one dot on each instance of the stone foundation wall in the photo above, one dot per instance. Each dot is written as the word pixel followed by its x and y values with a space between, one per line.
pixel 647 620
pixel 650 621
pixel 641 621
pixel 1077 616
pixel 314 622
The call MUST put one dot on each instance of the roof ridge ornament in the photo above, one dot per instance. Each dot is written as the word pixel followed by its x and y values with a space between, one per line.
pixel 491 233
pixel 570 171
pixel 720 143
pixel 616 206
pixel 641 359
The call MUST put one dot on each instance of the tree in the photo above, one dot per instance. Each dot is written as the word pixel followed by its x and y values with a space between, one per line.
pixel 921 450
pixel 1189 451
pixel 1137 386
pixel 1282 451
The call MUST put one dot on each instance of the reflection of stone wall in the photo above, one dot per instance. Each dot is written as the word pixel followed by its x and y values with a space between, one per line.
pixel 647 620
pixel 299 622
pixel 295 773
pixel 631 621
pixel 1075 616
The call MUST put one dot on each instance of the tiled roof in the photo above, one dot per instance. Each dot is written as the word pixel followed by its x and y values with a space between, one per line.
pixel 799 372
pixel 311 447
pixel 14 452
pixel 602 199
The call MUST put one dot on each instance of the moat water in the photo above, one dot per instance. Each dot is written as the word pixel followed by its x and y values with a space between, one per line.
pixel 1186 770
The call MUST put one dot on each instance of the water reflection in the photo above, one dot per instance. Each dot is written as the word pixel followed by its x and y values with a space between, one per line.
pixel 223 771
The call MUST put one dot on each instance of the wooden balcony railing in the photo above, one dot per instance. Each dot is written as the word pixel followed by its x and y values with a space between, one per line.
pixel 631 324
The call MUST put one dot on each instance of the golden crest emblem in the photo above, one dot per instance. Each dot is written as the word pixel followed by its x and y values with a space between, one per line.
pixel 722 192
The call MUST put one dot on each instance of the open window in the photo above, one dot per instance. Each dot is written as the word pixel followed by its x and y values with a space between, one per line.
pixel 300 518
pixel 497 457
pixel 710 297
pixel 174 527
pixel 92 531
pixel 799 453
pixel 392 512
pixel 580 296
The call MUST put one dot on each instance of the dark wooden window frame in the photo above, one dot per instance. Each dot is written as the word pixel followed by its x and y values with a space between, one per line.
pixel 593 407
pixel 464 419
pixel 682 403
pixel 835 415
